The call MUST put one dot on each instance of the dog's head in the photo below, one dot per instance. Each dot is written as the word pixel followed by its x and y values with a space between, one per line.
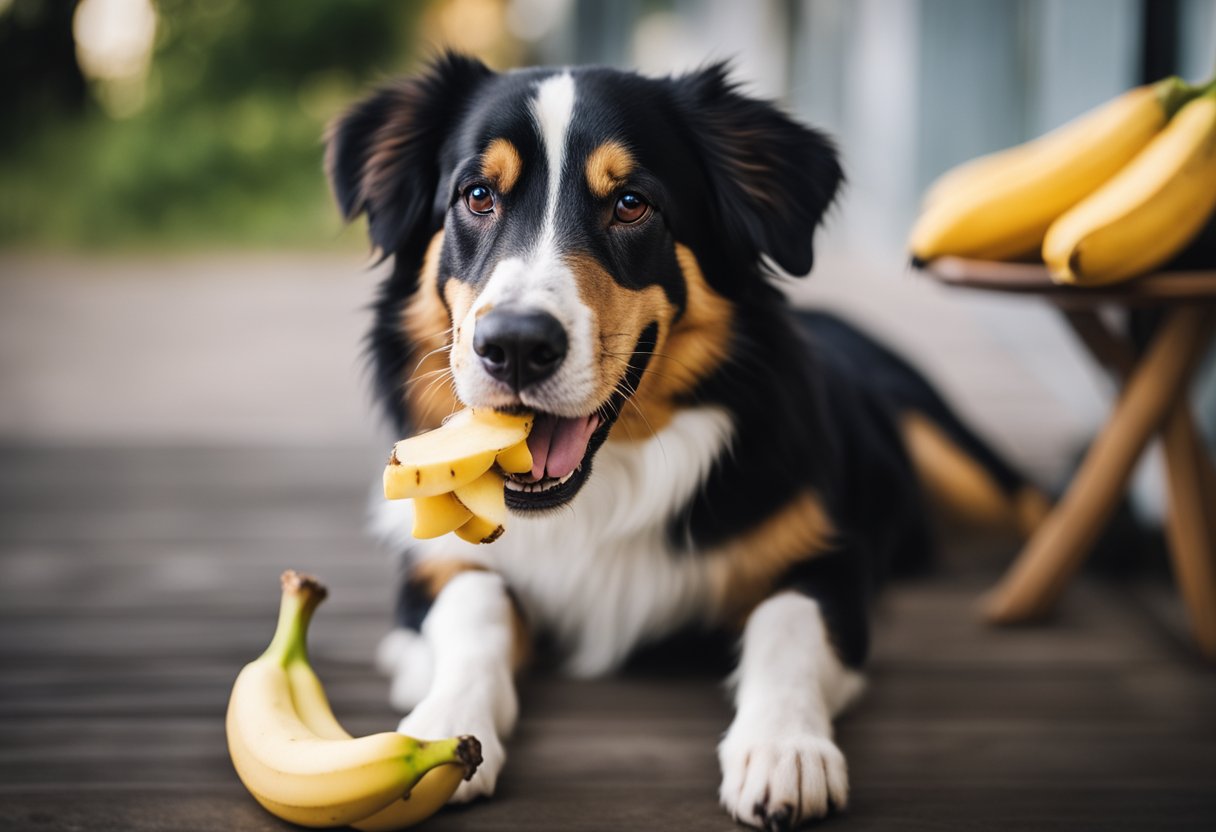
pixel 577 242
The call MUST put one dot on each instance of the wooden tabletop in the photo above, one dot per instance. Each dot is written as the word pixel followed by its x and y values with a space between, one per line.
pixel 1032 278
pixel 134 584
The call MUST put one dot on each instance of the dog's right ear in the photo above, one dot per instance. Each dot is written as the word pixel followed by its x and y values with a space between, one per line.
pixel 382 155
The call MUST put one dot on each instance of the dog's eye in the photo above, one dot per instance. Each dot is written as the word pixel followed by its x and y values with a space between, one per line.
pixel 480 199
pixel 630 208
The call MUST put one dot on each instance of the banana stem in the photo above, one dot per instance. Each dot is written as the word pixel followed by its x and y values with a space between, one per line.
pixel 463 750
pixel 301 596
pixel 1173 93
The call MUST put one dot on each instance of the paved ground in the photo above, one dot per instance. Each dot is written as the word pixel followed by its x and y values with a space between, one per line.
pixel 263 349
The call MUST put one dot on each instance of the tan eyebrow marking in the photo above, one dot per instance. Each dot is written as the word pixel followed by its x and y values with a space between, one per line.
pixel 608 166
pixel 500 163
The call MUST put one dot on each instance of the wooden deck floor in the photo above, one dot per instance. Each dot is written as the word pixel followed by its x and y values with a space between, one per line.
pixel 135 583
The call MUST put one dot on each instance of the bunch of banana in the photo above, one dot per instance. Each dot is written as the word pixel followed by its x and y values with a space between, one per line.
pixel 1000 206
pixel 301 765
pixel 449 473
pixel 1148 211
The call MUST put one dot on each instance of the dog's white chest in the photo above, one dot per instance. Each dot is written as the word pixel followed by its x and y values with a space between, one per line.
pixel 600 574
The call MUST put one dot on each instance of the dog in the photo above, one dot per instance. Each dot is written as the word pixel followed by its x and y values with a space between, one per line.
pixel 597 247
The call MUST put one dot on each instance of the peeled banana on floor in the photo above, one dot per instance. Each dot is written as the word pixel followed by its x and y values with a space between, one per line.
pixel 449 473
pixel 297 761
pixel 1148 211
pixel 1000 206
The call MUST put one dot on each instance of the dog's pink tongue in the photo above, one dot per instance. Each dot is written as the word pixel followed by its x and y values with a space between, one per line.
pixel 558 444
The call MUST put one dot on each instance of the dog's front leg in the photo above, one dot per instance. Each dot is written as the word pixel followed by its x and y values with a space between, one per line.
pixel 779 763
pixel 473 631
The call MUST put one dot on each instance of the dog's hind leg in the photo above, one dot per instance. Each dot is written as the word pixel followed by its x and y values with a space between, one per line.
pixel 977 489
pixel 961 474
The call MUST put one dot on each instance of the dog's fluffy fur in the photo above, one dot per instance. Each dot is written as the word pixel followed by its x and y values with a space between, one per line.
pixel 751 468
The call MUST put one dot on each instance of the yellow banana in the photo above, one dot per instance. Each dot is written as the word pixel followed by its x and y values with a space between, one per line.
pixel 438 515
pixel 1004 207
pixel 976 175
pixel 310 778
pixel 453 455
pixel 430 795
pixel 438 467
pixel 1148 212
pixel 426 798
pixel 516 459
pixel 484 499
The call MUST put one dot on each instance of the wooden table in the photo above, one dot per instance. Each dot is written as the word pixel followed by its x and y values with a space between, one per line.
pixel 1153 401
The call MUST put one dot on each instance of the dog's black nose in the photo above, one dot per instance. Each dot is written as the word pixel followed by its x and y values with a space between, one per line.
pixel 519 347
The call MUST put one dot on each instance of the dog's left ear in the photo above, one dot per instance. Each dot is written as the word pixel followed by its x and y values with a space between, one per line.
pixel 772 178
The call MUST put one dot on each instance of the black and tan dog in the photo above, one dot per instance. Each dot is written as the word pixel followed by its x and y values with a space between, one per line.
pixel 589 244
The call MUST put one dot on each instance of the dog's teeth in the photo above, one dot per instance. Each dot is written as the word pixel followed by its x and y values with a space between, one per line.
pixel 537 487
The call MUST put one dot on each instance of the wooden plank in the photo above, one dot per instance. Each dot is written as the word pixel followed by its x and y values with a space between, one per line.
pixel 180 577
pixel 117 652
pixel 941 805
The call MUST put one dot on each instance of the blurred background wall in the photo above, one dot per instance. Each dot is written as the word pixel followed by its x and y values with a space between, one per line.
pixel 173 271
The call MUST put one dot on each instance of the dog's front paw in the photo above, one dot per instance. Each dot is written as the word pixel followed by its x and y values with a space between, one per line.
pixel 405 657
pixel 776 782
pixel 434 719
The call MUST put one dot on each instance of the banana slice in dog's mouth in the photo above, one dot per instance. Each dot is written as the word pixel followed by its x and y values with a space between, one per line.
pixel 458 474
pixel 454 473
pixel 453 455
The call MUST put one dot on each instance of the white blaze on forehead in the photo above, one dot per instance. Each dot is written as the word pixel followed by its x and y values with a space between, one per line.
pixel 553 108
pixel 539 280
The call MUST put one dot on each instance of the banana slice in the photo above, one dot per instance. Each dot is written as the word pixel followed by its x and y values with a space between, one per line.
pixel 453 455
pixel 516 460
pixel 436 516
pixel 484 499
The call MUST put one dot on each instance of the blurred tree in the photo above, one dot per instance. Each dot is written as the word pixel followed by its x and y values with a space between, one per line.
pixel 226 145
pixel 223 48
pixel 38 59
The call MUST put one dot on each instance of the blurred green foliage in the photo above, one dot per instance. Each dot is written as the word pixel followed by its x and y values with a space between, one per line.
pixel 227 148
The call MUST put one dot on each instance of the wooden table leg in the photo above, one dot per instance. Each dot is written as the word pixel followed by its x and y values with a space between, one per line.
pixel 1207 471
pixel 1190 478
pixel 1113 352
pixel 1039 575
pixel 1191 522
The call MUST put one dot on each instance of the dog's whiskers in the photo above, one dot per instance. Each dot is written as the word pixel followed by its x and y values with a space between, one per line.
pixel 443 348
pixel 437 384
pixel 622 387
pixel 416 379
